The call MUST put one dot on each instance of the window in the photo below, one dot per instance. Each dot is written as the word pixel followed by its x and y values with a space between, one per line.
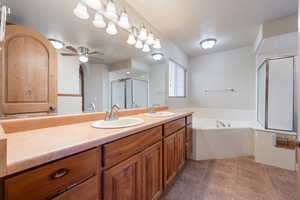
pixel 176 80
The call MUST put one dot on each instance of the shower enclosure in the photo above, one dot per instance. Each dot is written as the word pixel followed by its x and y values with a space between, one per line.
pixel 275 94
pixel 129 93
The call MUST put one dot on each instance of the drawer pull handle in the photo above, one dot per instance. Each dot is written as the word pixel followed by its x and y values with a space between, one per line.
pixel 60 173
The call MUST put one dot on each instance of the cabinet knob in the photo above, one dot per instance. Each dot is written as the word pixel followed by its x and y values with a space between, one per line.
pixel 52 108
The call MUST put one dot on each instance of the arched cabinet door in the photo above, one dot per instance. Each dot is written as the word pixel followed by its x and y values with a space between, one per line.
pixel 28 72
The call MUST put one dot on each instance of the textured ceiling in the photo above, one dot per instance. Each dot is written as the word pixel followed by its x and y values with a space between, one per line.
pixel 233 22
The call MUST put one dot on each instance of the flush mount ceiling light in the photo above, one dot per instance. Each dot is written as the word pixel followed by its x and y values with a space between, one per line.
pixel 208 43
pixel 157 56
pixel 57 43
pixel 99 21
pixel 83 58
pixel 108 15
pixel 81 11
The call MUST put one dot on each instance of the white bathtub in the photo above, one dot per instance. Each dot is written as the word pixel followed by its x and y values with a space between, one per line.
pixel 212 142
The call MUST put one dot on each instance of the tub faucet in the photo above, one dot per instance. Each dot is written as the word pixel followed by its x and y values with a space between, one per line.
pixel 220 122
pixel 113 114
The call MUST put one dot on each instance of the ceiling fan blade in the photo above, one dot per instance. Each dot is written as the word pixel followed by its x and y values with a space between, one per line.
pixel 95 53
pixel 71 49
pixel 69 54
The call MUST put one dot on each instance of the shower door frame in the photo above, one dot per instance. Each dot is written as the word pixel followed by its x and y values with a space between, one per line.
pixel 125 90
pixel 266 125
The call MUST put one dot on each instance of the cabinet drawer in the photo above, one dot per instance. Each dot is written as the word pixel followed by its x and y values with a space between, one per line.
pixel 173 126
pixel 122 149
pixel 189 119
pixel 49 180
pixel 85 191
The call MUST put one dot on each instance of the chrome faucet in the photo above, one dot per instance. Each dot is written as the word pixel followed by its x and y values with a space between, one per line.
pixel 93 107
pixel 113 114
pixel 152 108
pixel 220 122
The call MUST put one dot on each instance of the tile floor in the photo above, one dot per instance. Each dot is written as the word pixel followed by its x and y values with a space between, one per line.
pixel 232 179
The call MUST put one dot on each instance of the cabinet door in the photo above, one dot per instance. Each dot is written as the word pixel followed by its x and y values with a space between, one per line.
pixel 28 72
pixel 169 159
pixel 124 181
pixel 180 149
pixel 85 191
pixel 152 170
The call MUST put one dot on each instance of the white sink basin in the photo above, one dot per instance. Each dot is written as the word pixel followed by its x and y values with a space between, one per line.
pixel 160 114
pixel 120 123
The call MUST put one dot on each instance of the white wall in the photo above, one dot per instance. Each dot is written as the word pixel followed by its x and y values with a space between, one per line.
pixel 229 69
pixel 96 86
pixel 68 83
pixel 158 84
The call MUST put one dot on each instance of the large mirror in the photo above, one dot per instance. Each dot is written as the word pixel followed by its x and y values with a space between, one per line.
pixel 97 65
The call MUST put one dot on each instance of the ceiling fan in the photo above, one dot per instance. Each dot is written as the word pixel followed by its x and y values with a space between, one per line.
pixel 83 53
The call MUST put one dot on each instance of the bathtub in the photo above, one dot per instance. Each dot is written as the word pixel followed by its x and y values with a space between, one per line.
pixel 213 141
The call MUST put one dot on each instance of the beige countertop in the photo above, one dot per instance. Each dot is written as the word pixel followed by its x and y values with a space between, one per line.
pixel 32 148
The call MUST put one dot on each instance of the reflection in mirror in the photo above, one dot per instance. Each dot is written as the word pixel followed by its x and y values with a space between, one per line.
pixel 93 67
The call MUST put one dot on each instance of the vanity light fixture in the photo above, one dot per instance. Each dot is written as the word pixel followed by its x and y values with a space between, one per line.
pixel 157 44
pixel 81 11
pixel 146 48
pixel 124 21
pixel 99 21
pixel 150 39
pixel 127 72
pixel 108 15
pixel 57 43
pixel 208 43
pixel 95 4
pixel 111 11
pixel 139 44
pixel 157 56
pixel 111 29
pixel 83 58
pixel 131 39
pixel 143 33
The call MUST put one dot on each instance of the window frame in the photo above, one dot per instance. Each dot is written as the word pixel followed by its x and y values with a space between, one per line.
pixel 185 79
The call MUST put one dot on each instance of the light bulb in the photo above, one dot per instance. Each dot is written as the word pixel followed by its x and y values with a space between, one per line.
pixel 124 22
pixel 208 44
pixel 81 11
pixel 111 11
pixel 157 44
pixel 146 48
pixel 157 56
pixel 143 34
pixel 131 39
pixel 95 4
pixel 83 58
pixel 57 44
pixel 139 44
pixel 99 21
pixel 150 39
pixel 111 29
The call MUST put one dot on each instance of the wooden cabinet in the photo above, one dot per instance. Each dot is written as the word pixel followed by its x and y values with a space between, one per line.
pixel 28 71
pixel 189 140
pixel 174 155
pixel 85 191
pixel 138 178
pixel 152 172
pixel 52 179
pixel 173 126
pixel 124 181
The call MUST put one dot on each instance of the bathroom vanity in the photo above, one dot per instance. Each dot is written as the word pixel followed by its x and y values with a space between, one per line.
pixel 73 161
